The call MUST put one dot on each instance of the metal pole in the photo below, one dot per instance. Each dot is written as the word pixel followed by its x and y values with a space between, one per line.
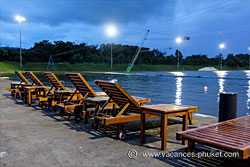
pixel 221 61
pixel 178 63
pixel 111 56
pixel 21 65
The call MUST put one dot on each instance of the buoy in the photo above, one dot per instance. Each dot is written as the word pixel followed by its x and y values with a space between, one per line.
pixel 205 88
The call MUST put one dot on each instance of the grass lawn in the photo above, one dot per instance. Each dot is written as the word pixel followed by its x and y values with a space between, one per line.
pixel 10 67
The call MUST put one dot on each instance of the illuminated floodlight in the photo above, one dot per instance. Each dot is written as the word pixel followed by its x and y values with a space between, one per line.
pixel 111 30
pixel 178 40
pixel 222 46
pixel 19 18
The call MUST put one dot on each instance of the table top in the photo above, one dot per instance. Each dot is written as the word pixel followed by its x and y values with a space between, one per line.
pixel 17 83
pixel 37 87
pixel 95 99
pixel 232 134
pixel 166 108
pixel 66 91
pixel 102 99
pixel 141 99
pixel 100 93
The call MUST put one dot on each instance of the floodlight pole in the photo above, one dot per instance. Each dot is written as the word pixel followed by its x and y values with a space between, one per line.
pixel 21 64
pixel 221 46
pixel 111 56
pixel 221 61
pixel 249 59
pixel 178 41
pixel 178 60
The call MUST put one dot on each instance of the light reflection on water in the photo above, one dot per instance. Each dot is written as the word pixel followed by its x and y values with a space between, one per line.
pixel 180 89
pixel 248 92
pixel 221 81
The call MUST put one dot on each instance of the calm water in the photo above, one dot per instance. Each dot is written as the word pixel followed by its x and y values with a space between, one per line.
pixel 179 88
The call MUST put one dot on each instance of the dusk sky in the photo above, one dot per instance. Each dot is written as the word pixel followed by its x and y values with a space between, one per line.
pixel 208 23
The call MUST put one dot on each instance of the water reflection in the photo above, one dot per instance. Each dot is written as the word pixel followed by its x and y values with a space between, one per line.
pixel 179 74
pixel 221 81
pixel 178 88
pixel 248 91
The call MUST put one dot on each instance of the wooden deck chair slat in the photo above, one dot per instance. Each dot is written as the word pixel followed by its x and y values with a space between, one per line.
pixel 124 97
pixel 33 78
pixel 22 77
pixel 81 84
pixel 54 80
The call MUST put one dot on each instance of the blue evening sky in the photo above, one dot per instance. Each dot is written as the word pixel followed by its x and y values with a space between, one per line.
pixel 208 23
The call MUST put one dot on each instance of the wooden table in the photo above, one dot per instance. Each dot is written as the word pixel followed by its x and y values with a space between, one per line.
pixel 231 135
pixel 88 102
pixel 18 85
pixel 15 85
pixel 164 111
pixel 68 92
pixel 28 90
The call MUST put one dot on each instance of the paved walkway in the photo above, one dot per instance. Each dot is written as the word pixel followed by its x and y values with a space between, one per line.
pixel 30 136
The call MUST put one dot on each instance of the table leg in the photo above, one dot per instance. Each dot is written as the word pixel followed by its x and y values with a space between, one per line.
pixel 191 146
pixel 164 128
pixel 25 96
pixel 190 118
pixel 86 115
pixel 142 136
pixel 184 126
pixel 29 94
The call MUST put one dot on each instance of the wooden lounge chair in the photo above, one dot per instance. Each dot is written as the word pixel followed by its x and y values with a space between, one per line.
pixel 232 135
pixel 17 88
pixel 129 108
pixel 57 93
pixel 33 92
pixel 84 89
pixel 34 79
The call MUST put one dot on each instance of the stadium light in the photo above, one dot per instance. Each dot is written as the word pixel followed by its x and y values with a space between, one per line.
pixel 112 32
pixel 20 19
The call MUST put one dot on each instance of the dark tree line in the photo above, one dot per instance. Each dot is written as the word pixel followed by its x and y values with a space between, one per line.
pixel 122 54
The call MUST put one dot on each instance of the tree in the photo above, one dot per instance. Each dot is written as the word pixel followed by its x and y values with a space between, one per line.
pixel 3 54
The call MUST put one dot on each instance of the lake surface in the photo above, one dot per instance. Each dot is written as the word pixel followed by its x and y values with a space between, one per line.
pixel 189 88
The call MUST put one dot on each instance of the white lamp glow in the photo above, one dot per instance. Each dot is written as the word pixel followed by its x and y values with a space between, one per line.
pixel 222 46
pixel 111 30
pixel 19 18
pixel 178 40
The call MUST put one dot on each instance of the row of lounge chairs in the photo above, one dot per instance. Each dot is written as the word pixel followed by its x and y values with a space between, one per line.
pixel 115 106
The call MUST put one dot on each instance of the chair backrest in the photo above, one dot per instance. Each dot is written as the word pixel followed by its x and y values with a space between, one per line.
pixel 22 77
pixel 34 79
pixel 57 84
pixel 119 95
pixel 81 84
